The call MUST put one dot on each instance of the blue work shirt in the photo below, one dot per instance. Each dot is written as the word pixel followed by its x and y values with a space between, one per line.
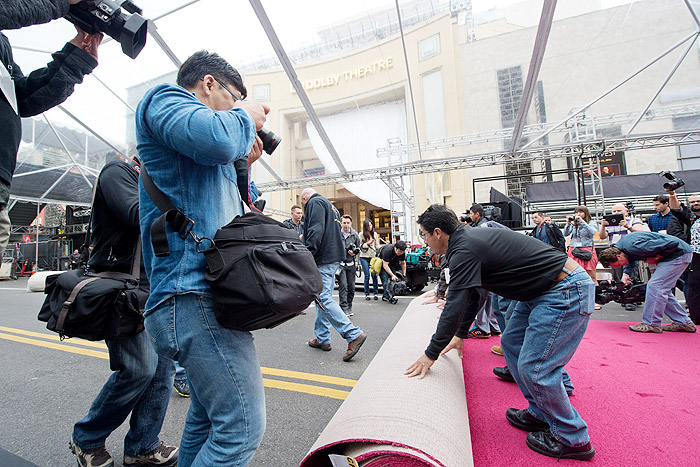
pixel 188 150
pixel 643 245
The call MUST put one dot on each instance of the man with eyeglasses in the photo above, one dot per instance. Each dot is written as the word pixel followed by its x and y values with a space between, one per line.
pixel 189 136
pixel 555 299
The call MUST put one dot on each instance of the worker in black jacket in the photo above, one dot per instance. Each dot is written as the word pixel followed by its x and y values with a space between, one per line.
pixel 323 239
pixel 26 96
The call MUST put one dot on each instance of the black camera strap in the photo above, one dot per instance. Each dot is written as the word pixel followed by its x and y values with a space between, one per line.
pixel 178 221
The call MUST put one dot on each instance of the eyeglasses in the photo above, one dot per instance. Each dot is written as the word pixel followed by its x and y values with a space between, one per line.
pixel 235 97
pixel 422 235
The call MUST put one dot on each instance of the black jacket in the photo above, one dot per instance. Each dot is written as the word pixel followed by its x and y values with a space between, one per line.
pixel 42 89
pixel 322 231
pixel 115 219
pixel 556 237
pixel 680 223
pixel 352 240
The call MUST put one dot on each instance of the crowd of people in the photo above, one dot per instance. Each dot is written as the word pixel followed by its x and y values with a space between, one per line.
pixel 526 288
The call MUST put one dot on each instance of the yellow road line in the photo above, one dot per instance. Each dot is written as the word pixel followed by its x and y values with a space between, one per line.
pixel 51 345
pixel 54 337
pixel 271 383
pixel 306 388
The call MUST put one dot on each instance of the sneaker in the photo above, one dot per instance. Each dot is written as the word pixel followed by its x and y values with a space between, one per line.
pixel 349 313
pixel 394 301
pixel 675 327
pixel 376 297
pixel 478 334
pixel 314 343
pixel 96 457
pixel 497 350
pixel 162 455
pixel 367 297
pixel 495 332
pixel 384 299
pixel 641 327
pixel 354 346
pixel 182 387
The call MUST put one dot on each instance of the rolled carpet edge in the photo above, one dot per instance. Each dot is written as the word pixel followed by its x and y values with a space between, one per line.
pixel 400 420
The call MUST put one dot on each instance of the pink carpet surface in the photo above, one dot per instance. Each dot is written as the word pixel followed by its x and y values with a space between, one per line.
pixel 639 393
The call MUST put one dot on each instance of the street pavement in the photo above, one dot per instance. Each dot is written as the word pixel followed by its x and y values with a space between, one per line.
pixel 47 385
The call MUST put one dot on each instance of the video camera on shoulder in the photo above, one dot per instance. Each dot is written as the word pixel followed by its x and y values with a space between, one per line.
pixel 674 182
pixel 108 16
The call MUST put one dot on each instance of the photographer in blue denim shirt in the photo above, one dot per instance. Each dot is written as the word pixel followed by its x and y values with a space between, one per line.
pixel 189 136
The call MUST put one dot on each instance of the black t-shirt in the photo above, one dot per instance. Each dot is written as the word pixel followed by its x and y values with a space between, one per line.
pixel 388 255
pixel 507 263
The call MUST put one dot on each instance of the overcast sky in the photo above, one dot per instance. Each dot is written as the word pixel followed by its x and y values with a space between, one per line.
pixel 227 27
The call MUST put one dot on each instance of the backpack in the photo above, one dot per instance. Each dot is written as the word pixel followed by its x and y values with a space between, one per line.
pixel 260 273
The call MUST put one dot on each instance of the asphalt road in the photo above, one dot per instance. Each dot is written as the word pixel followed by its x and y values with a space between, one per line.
pixel 45 390
pixel 47 385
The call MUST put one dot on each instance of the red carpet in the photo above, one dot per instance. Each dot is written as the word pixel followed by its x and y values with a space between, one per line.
pixel 639 394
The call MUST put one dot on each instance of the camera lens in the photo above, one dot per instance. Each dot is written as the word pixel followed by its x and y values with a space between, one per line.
pixel 269 139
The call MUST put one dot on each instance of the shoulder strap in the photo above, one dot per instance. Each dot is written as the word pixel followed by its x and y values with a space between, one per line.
pixel 178 221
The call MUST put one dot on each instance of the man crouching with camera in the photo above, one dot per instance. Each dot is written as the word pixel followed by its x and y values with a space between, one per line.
pixel 671 256
pixel 346 278
pixel 555 301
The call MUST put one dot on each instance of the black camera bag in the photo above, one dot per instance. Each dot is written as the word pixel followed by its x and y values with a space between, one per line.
pixel 260 273
pixel 91 306
pixel 584 255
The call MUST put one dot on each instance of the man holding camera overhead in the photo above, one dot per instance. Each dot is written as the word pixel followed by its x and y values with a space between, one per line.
pixel 189 137
pixel 26 96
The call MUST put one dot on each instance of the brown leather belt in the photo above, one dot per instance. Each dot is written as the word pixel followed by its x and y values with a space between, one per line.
pixel 569 267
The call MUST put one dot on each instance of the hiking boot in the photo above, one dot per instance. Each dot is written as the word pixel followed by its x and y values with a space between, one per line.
pixel 675 327
pixel 96 457
pixel 314 343
pixel 641 327
pixel 354 346
pixel 182 387
pixel 162 455
pixel 478 334
pixel 544 443
pixel 497 350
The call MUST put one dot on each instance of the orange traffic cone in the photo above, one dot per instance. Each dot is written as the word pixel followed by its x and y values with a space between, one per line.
pixel 33 268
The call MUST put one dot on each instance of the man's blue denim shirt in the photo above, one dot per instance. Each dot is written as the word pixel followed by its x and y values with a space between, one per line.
pixel 188 150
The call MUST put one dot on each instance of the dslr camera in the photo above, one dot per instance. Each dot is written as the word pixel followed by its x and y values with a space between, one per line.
pixel 107 16
pixel 355 249
pixel 674 182
pixel 616 291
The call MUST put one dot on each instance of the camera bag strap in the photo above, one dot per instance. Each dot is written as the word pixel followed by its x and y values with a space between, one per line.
pixel 178 221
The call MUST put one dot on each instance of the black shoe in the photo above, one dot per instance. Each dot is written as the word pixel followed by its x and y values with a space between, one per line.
pixel 544 443
pixel 394 301
pixel 367 297
pixel 504 374
pixel 524 420
pixel 375 297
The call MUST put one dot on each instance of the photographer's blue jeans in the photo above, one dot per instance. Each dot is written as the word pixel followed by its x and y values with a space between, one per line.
pixel 226 419
pixel 540 338
pixel 384 276
pixel 660 296
pixel 334 316
pixel 366 273
pixel 140 386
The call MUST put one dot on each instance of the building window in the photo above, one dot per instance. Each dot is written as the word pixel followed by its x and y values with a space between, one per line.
pixel 429 47
pixel 434 106
pixel 261 93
